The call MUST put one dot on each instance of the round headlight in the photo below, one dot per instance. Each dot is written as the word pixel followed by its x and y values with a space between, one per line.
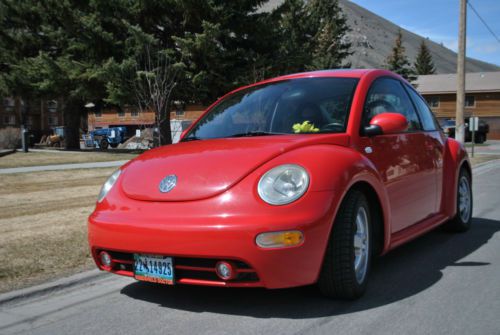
pixel 108 185
pixel 283 184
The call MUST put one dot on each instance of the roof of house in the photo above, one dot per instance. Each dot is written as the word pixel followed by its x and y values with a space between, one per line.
pixel 447 83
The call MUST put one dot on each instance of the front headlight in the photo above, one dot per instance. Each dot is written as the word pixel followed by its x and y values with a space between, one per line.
pixel 108 185
pixel 283 184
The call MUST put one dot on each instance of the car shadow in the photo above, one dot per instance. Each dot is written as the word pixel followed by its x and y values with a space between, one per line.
pixel 400 274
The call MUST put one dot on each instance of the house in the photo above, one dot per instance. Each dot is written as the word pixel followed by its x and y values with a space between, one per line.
pixel 482 97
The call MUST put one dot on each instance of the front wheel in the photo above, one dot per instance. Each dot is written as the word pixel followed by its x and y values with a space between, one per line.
pixel 463 219
pixel 346 265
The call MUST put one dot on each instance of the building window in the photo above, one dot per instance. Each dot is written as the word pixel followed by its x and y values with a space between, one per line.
pixel 52 106
pixel 121 113
pixel 8 104
pixel 470 101
pixel 98 113
pixel 9 120
pixel 52 120
pixel 134 113
pixel 433 101
pixel 179 112
pixel 29 121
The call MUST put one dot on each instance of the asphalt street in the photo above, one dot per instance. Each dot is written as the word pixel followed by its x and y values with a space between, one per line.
pixel 441 283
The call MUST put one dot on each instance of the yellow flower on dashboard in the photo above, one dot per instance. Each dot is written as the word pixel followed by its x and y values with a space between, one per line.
pixel 305 127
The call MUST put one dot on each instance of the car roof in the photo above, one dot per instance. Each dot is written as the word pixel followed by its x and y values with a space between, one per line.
pixel 339 73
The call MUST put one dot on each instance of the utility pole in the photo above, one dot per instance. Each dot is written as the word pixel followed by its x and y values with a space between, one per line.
pixel 459 117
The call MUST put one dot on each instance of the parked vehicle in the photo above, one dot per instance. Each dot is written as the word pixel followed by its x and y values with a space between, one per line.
pixel 105 137
pixel 480 135
pixel 292 181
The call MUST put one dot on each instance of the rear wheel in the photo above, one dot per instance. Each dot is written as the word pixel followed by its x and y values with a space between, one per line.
pixel 463 219
pixel 345 269
pixel 104 144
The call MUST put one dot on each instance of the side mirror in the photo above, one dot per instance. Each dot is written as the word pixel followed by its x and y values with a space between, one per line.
pixel 386 123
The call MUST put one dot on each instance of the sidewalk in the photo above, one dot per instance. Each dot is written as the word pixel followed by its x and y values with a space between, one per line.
pixel 62 167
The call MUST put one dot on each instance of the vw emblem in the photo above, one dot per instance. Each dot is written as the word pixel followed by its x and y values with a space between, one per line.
pixel 168 183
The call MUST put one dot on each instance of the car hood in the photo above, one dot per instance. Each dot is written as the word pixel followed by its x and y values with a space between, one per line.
pixel 209 167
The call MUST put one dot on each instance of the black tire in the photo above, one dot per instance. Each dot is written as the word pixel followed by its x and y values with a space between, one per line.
pixel 338 276
pixel 114 145
pixel 104 144
pixel 480 138
pixel 461 223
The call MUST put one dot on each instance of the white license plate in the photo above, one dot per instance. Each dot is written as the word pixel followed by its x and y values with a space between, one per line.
pixel 156 269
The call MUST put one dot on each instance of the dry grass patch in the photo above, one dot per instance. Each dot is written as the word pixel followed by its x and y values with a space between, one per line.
pixel 43 224
pixel 32 158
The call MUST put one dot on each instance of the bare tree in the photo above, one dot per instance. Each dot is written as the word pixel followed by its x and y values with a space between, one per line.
pixel 155 80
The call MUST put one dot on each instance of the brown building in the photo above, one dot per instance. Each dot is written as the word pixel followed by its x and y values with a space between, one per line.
pixel 482 97
pixel 114 116
pixel 133 118
pixel 40 115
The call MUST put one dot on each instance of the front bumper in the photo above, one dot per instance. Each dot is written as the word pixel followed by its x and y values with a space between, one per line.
pixel 219 228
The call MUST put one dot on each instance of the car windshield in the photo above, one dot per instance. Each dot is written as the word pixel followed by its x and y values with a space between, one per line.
pixel 308 105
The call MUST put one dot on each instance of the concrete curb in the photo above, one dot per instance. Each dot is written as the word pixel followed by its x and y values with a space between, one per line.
pixel 57 167
pixel 88 276
pixel 6 152
pixel 51 286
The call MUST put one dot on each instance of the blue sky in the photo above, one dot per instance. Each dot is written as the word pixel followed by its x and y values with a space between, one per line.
pixel 438 20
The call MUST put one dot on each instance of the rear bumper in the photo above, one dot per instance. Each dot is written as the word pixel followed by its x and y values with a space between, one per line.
pixel 207 230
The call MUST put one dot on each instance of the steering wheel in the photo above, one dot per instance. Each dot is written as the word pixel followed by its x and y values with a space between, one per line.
pixel 334 126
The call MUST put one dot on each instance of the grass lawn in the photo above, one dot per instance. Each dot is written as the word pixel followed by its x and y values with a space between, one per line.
pixel 32 158
pixel 43 224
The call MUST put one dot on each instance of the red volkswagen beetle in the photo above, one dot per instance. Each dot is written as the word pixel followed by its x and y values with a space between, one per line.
pixel 292 181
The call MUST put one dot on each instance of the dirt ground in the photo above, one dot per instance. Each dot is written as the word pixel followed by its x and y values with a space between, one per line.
pixel 43 224
pixel 32 158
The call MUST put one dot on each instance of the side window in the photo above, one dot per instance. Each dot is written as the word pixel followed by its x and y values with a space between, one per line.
pixel 388 95
pixel 423 110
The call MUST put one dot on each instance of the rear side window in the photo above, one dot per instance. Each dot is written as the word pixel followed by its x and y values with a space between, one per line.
pixel 426 116
pixel 388 95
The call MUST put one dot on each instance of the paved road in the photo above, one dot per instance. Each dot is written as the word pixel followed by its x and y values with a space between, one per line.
pixel 62 167
pixel 439 284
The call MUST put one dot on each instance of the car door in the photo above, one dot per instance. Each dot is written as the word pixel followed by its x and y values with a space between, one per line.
pixel 434 141
pixel 400 159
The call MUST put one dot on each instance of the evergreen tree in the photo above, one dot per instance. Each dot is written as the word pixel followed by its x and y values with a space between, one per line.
pixel 329 43
pixel 423 63
pixel 398 62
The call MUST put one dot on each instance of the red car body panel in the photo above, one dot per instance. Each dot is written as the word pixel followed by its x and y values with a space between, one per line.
pixel 217 213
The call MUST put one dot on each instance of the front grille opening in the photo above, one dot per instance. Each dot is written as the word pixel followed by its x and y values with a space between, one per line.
pixel 186 268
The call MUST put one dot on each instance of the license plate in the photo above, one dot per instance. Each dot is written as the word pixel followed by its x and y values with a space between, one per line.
pixel 155 269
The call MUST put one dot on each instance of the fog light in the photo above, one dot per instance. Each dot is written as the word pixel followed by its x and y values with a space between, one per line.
pixel 225 270
pixel 106 260
pixel 280 239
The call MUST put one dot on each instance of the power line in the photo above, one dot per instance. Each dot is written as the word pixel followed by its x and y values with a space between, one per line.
pixel 484 22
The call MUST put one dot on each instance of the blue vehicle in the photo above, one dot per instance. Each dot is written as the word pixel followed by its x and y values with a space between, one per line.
pixel 105 137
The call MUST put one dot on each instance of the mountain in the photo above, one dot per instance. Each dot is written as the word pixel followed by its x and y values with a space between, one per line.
pixel 373 37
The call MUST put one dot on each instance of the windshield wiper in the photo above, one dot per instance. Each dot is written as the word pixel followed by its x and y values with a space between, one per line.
pixel 191 138
pixel 254 133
